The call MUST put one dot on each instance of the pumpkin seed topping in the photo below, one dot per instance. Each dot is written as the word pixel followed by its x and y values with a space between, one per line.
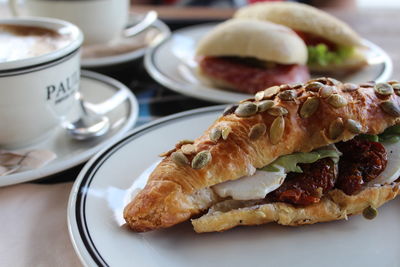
pixel 215 134
pixel 271 92
pixel 287 95
pixel 259 96
pixel 201 159
pixel 264 105
pixel 326 91
pixel 337 101
pixel 370 213
pixel 309 107
pixel 246 109
pixel 393 82
pixel 257 131
pixel 230 109
pixel 349 87
pixel 188 149
pixel 314 86
pixel 367 84
pixel 383 89
pixel 353 126
pixel 336 128
pixel 296 85
pixel 333 81
pixel 390 108
pixel 179 158
pixel 277 129
pixel 277 111
pixel 225 132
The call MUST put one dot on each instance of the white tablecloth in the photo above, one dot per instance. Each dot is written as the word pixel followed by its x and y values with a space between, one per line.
pixel 34 228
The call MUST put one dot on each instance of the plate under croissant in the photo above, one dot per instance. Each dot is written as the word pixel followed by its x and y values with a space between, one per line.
pixel 172 64
pixel 103 187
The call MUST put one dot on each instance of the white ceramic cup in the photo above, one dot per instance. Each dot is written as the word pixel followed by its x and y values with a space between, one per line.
pixel 38 93
pixel 100 20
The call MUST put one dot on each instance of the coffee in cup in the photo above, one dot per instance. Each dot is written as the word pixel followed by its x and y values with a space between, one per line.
pixel 101 21
pixel 39 78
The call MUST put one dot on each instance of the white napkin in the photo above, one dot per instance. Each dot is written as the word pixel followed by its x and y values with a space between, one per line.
pixel 33 228
pixel 11 161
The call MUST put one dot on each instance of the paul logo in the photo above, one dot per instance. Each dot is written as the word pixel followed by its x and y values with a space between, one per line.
pixel 62 90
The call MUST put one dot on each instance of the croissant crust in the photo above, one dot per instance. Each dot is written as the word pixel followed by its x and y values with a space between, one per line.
pixel 176 191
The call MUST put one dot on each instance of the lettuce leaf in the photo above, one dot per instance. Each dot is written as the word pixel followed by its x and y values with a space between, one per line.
pixel 391 135
pixel 289 162
pixel 321 55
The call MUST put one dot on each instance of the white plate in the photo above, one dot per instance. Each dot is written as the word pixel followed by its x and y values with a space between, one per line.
pixel 172 64
pixel 98 197
pixel 124 49
pixel 95 88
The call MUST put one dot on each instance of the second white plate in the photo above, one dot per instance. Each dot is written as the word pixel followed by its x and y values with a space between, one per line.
pixel 172 64
pixel 100 239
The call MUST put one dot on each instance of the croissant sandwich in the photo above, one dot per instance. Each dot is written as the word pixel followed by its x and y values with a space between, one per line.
pixel 294 154
pixel 332 45
pixel 248 55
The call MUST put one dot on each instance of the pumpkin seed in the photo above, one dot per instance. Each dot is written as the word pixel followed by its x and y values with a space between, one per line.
pixel 284 87
pixel 277 111
pixel 326 91
pixel 287 95
pixel 259 96
pixel 383 89
pixel 370 213
pixel 392 82
pixel 264 105
pixel 336 128
pixel 390 108
pixel 314 86
pixel 353 126
pixel 246 109
pixel 349 87
pixel 337 101
pixel 296 85
pixel 230 109
pixel 215 134
pixel 367 84
pixel 322 80
pixel 184 142
pixel 166 154
pixel 188 149
pixel 309 107
pixel 277 129
pixel 257 131
pixel 201 159
pixel 333 81
pixel 271 92
pixel 179 158
pixel 396 86
pixel 225 132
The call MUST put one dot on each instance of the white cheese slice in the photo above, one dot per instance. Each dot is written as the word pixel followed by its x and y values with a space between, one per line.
pixel 256 186
pixel 392 170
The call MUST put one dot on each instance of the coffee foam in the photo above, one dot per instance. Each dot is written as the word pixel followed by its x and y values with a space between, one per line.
pixel 21 42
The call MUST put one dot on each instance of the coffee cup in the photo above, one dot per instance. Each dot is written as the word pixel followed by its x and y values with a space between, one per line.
pixel 100 20
pixel 39 78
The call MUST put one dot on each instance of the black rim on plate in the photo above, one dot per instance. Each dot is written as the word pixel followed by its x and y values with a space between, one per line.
pixel 90 173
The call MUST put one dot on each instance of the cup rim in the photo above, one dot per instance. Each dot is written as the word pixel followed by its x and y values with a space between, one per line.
pixel 49 23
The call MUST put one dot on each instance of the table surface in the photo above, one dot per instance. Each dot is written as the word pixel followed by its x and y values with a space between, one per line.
pixel 379 26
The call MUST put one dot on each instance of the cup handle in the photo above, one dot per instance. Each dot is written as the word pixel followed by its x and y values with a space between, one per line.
pixel 13 5
pixel 148 19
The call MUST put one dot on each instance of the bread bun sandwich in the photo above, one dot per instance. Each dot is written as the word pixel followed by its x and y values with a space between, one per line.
pixel 249 55
pixel 302 154
pixel 332 45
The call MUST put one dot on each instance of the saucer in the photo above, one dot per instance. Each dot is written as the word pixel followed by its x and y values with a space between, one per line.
pixel 124 49
pixel 95 89
pixel 172 63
